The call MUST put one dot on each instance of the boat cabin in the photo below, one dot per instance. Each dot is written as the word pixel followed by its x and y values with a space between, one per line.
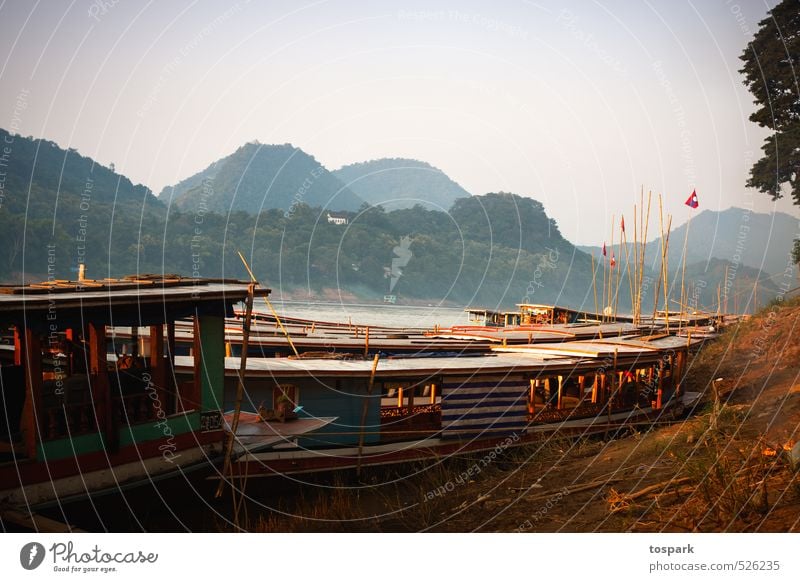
pixel 490 318
pixel 83 410
pixel 540 314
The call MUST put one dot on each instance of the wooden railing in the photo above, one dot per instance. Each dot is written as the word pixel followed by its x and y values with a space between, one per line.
pixel 547 415
pixel 73 411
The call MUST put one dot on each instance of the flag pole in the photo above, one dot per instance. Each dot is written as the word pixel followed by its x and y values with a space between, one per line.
pixel 611 271
pixel 725 292
pixel 627 258
pixel 645 225
pixel 665 272
pixel 594 283
pixel 692 204
pixel 683 269
pixel 619 276
pixel 661 269
pixel 635 266
pixel 603 297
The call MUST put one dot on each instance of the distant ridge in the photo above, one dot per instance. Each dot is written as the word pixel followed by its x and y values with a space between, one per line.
pixel 259 177
pixel 401 183
pixel 758 240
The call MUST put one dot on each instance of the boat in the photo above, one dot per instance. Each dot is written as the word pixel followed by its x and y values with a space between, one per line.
pixel 77 419
pixel 269 340
pixel 100 397
pixel 399 409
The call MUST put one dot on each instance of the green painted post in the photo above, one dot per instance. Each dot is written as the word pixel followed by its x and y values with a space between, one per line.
pixel 212 376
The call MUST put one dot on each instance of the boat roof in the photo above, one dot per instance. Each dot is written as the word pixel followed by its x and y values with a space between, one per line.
pixel 394 367
pixel 566 357
pixel 623 347
pixel 143 300
pixel 539 333
pixel 487 311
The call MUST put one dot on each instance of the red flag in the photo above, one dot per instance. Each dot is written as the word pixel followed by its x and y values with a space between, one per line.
pixel 622 224
pixel 692 200
pixel 613 261
pixel 604 248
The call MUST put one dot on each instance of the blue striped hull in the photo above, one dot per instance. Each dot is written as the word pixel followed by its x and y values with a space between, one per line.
pixel 484 406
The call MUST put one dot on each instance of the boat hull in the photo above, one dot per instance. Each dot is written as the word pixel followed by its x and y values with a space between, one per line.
pixel 273 463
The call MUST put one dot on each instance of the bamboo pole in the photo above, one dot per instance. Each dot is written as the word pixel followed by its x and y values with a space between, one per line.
pixel 619 271
pixel 610 393
pixel 611 272
pixel 755 299
pixel 646 224
pixel 683 269
pixel 725 292
pixel 267 301
pixel 364 410
pixel 226 468
pixel 628 264
pixel 594 284
pixel 665 270
pixel 661 269
pixel 635 265
pixel 603 298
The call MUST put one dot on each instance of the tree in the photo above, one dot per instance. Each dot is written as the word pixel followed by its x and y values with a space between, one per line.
pixel 771 70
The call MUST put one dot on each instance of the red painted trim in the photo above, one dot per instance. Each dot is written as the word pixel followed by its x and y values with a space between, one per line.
pixel 31 472
pixel 327 459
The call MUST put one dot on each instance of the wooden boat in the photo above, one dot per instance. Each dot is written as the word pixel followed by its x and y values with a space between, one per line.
pixel 411 409
pixel 483 317
pixel 530 314
pixel 76 420
pixel 267 341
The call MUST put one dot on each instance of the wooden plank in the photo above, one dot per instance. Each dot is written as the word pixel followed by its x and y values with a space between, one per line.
pixel 101 391
pixel 32 409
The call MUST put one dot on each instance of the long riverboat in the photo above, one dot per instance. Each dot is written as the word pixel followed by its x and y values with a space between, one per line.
pixel 401 409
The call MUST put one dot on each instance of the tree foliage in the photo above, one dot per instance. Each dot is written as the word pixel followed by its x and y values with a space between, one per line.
pixel 771 70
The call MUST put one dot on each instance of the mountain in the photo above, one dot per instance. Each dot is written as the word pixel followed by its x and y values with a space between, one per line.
pixel 401 183
pixel 58 209
pixel 705 287
pixel 733 243
pixel 758 240
pixel 258 177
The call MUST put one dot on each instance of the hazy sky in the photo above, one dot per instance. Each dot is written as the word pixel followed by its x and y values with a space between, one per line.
pixel 576 104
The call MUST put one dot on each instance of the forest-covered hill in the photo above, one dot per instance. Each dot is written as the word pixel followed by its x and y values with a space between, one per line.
pixel 401 183
pixel 260 177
